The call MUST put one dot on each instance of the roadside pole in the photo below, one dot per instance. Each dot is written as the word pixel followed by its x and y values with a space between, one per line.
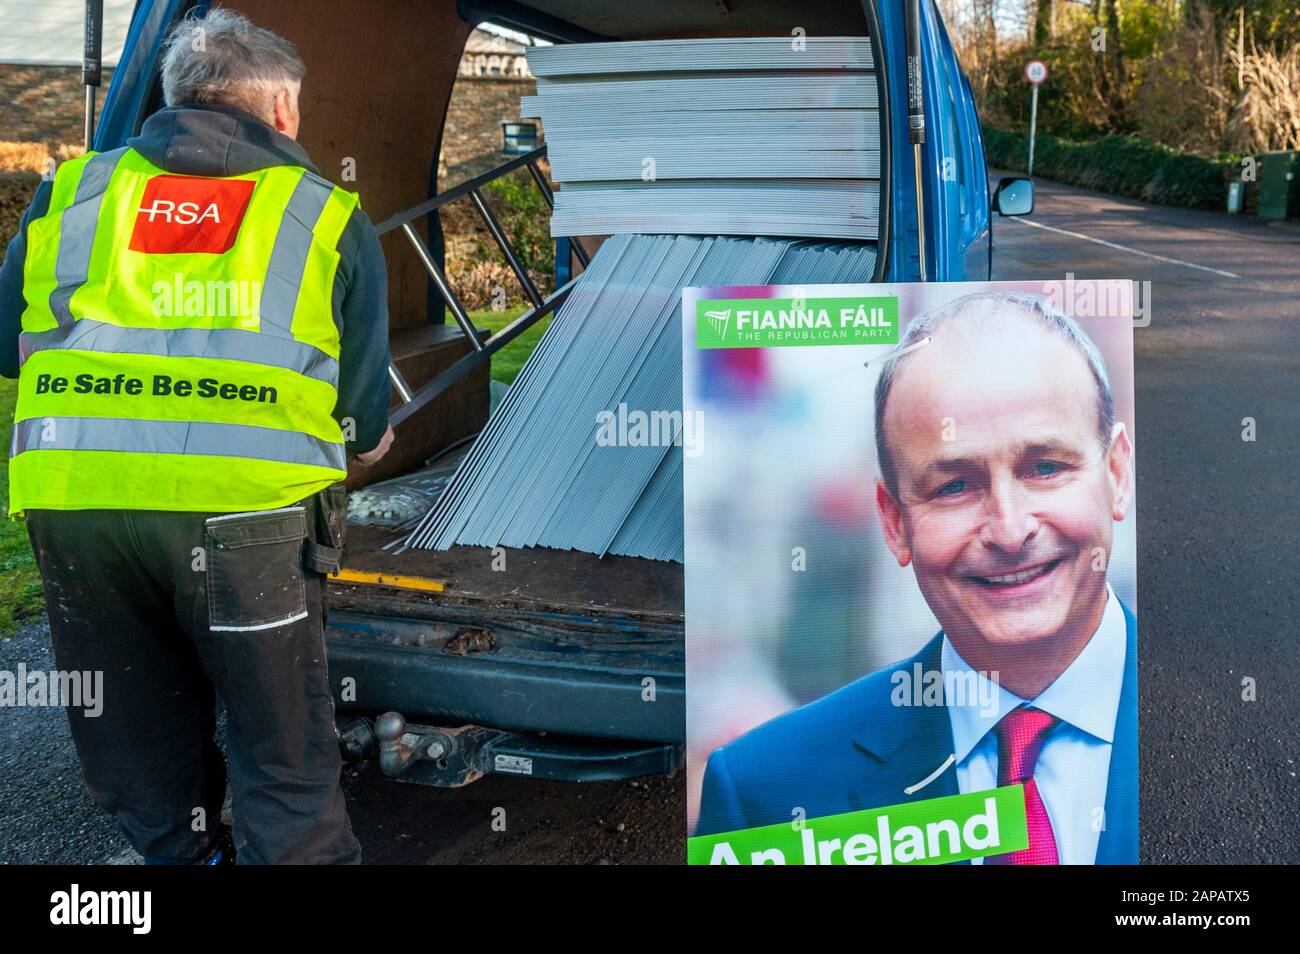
pixel 1035 72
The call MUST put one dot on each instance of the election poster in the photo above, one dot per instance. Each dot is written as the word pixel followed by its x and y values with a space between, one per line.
pixel 911 601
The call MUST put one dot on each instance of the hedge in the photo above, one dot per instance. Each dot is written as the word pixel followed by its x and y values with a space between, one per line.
pixel 16 190
pixel 1119 165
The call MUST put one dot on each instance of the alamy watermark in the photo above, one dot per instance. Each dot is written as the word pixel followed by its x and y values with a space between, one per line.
pixel 72 689
pixel 956 689
pixel 240 299
pixel 658 428
pixel 1110 298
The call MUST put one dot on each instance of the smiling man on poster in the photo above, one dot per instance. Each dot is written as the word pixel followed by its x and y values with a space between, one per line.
pixel 1003 470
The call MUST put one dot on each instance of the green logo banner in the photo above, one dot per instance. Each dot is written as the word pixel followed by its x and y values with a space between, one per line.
pixel 786 322
pixel 935 831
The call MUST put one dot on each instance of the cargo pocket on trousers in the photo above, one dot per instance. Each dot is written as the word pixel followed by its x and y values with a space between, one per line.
pixel 255 569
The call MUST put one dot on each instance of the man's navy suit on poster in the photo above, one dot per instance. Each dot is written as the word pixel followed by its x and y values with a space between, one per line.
pixel 855 750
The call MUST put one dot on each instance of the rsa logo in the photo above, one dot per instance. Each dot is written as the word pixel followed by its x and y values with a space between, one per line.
pixel 189 214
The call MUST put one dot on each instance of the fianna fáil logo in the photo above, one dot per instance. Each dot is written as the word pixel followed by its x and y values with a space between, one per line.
pixel 786 322
pixel 718 321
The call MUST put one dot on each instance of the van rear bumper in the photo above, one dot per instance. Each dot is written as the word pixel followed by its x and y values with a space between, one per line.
pixel 595 676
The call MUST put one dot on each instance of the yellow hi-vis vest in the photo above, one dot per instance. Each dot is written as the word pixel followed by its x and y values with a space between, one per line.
pixel 178 348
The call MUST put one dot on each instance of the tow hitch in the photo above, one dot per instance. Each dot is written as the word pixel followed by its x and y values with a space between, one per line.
pixel 452 757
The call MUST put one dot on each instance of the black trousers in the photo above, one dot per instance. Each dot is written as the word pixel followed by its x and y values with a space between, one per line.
pixel 174 608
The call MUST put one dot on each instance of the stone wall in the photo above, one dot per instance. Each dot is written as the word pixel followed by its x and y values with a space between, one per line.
pixel 479 104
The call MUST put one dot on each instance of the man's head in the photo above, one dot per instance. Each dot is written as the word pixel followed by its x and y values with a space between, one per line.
pixel 1002 470
pixel 223 59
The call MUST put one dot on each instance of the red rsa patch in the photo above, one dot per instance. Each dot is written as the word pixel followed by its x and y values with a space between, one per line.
pixel 190 214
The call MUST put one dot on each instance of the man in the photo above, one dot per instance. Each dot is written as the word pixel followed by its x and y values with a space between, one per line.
pixel 1002 472
pixel 203 337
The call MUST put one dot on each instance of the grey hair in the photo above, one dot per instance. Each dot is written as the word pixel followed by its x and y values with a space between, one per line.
pixel 223 58
pixel 983 306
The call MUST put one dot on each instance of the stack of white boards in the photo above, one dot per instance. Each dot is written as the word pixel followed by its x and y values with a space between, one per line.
pixel 733 136
pixel 541 473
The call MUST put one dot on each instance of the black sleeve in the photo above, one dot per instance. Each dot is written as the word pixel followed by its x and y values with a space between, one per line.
pixel 361 290
pixel 12 303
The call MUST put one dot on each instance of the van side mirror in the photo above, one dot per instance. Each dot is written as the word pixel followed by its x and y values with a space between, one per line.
pixel 1014 196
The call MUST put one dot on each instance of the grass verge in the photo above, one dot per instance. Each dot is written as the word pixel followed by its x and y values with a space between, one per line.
pixel 507 362
pixel 20 583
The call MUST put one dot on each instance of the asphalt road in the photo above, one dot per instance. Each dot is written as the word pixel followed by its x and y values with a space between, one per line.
pixel 1217 589
pixel 46 815
pixel 1217 521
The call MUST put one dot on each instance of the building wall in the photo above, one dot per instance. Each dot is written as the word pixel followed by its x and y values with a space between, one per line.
pixel 478 106
pixel 45 104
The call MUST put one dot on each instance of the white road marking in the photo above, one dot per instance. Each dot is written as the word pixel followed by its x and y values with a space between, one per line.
pixel 1125 248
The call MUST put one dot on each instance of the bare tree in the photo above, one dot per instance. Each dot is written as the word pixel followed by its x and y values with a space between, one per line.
pixel 1183 99
pixel 1267 113
pixel 1041 22
pixel 1112 79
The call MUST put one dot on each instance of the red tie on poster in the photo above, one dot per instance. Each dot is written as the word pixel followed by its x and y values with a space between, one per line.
pixel 1021 735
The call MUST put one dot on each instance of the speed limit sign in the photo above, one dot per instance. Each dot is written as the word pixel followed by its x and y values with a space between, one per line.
pixel 1035 72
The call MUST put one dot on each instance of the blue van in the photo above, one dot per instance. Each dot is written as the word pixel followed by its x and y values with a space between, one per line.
pixel 547 673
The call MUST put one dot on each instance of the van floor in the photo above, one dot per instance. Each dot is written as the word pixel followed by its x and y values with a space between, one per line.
pixel 534 578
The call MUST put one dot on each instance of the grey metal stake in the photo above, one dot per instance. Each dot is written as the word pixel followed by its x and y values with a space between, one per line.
pixel 92 62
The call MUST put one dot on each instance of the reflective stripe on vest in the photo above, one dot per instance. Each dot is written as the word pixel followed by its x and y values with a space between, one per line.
pixel 178 327
pixel 76 201
pixel 174 437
